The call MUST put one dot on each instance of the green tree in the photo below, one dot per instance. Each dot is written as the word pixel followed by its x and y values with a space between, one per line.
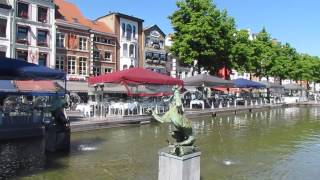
pixel 203 33
pixel 263 53
pixel 242 53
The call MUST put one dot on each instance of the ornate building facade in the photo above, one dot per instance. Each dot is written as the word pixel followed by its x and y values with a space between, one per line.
pixel 155 56
pixel 34 32
pixel 128 30
pixel 6 16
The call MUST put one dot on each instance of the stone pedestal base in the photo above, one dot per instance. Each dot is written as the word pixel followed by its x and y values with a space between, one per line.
pixel 172 167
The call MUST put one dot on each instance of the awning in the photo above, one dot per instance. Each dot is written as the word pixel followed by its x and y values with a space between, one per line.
pixel 32 88
pixel 7 86
pixel 244 83
pixel 271 85
pixel 207 80
pixel 293 86
pixel 135 76
pixel 231 90
pixel 13 69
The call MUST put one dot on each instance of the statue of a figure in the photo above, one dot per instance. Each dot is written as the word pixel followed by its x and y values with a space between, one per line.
pixel 183 126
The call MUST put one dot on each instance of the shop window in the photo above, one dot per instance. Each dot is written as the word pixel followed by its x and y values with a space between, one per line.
pixel 23 10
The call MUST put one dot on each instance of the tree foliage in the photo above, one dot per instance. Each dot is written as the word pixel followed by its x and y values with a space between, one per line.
pixel 203 33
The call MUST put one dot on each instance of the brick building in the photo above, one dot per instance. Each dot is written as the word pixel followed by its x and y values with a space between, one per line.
pixel 83 47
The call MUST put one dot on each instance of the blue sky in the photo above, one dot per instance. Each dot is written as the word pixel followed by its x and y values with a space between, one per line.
pixel 293 21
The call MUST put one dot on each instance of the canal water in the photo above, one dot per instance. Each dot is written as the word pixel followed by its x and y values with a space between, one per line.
pixel 275 144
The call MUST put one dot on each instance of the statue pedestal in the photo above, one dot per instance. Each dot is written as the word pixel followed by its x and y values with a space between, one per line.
pixel 173 167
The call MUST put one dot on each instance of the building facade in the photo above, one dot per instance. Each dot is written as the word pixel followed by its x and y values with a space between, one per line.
pixel 6 16
pixel 128 30
pixel 34 31
pixel 84 48
pixel 154 56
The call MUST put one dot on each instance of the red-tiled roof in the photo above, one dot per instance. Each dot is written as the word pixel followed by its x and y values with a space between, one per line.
pixel 72 14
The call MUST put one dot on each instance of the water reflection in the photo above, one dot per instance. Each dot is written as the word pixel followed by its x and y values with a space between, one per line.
pixel 275 144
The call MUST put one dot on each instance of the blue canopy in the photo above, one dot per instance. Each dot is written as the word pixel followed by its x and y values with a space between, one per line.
pixel 244 83
pixel 13 69
pixel 7 86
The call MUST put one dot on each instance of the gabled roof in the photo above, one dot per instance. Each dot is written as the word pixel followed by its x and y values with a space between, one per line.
pixel 123 16
pixel 72 14
pixel 156 27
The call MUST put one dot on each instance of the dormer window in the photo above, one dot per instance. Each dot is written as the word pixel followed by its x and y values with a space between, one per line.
pixel 42 14
pixel 23 10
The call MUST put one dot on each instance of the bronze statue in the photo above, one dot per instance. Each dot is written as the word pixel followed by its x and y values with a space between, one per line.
pixel 183 126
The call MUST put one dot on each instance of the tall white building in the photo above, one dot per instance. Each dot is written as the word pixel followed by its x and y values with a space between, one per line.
pixel 5 27
pixel 34 32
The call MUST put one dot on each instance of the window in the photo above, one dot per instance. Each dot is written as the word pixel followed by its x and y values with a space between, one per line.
pixel 125 67
pixel 148 55
pixel 82 43
pixel 134 32
pixel 22 55
pixel 22 35
pixel 60 40
pixel 125 50
pixel 96 55
pixel 42 14
pixel 107 56
pixel 60 63
pixel 162 57
pixel 123 29
pixel 2 54
pixel 23 10
pixel 42 61
pixel 96 39
pixel 96 71
pixel 82 66
pixel 107 70
pixel 71 65
pixel 131 51
pixel 129 32
pixel 156 56
pixel 42 38
pixel 3 27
